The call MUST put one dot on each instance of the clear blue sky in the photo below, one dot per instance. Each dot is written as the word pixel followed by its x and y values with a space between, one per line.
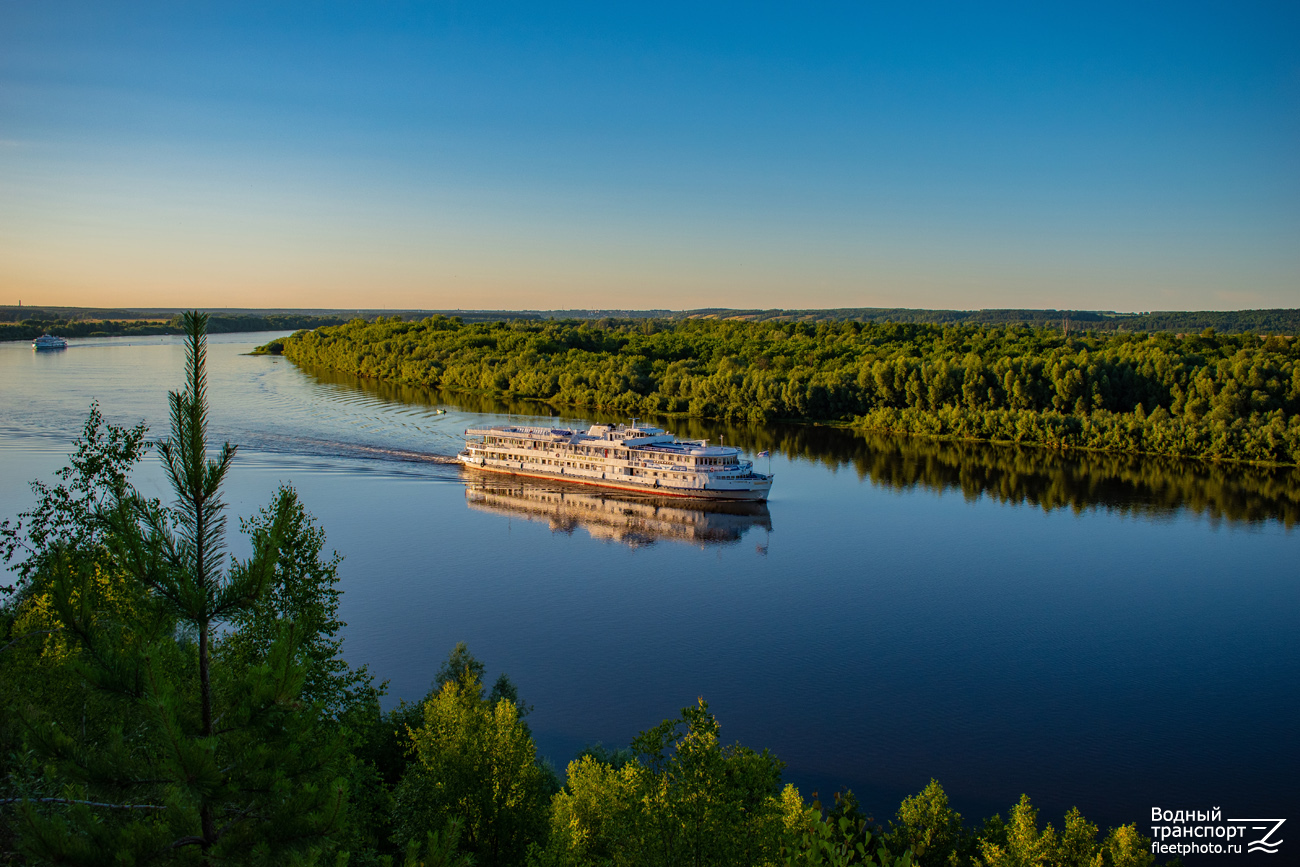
pixel 1129 156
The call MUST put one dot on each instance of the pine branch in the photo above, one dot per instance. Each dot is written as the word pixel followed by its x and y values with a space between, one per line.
pixel 29 635
pixel 241 816
pixel 7 801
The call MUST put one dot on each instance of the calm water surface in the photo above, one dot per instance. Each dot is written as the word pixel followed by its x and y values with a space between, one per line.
pixel 1102 632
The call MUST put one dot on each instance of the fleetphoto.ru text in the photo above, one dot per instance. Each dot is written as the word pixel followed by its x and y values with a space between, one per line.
pixel 1206 832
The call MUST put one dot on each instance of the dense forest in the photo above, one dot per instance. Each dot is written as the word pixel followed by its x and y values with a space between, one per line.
pixel 1276 321
pixel 166 703
pixel 1209 395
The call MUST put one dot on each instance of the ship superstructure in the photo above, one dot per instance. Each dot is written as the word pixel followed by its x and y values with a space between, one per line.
pixel 631 458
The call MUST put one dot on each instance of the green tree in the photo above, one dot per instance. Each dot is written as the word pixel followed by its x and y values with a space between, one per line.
pixel 1024 845
pixel 303 590
pixel 35 651
pixel 686 800
pixel 460 666
pixel 1020 843
pixel 708 804
pixel 839 837
pixel 65 513
pixel 215 761
pixel 1125 847
pixel 931 829
pixel 475 764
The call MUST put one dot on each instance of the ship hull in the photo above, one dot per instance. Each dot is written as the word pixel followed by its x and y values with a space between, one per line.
pixel 753 494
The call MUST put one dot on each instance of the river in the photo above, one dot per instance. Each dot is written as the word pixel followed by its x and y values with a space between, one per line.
pixel 1104 632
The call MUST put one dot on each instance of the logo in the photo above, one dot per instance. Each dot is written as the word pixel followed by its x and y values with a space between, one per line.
pixel 1206 832
pixel 1263 844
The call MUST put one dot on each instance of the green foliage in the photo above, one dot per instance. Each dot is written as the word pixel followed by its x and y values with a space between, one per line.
pixel 1229 397
pixel 615 758
pixel 441 849
pixel 460 667
pixel 475 763
pixel 841 842
pixel 687 800
pixel 184 758
pixel 598 819
pixel 64 514
pixel 704 799
pixel 302 590
pixel 140 731
pixel 36 677
pixel 1275 321
pixel 1020 843
pixel 931 829
pixel 841 837
pixel 384 754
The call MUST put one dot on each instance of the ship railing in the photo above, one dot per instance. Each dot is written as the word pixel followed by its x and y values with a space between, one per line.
pixel 739 468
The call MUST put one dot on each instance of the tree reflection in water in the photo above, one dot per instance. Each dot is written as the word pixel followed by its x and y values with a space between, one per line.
pixel 1047 478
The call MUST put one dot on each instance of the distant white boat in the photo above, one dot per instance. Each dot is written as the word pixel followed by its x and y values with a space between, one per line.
pixel 45 341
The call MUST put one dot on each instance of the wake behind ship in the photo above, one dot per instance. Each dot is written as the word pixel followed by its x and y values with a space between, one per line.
pixel 626 458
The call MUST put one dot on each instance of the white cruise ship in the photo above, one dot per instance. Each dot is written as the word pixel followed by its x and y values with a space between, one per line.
pixel 627 458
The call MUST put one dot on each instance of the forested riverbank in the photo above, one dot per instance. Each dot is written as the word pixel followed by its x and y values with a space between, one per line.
pixel 168 704
pixel 1210 396
pixel 37 322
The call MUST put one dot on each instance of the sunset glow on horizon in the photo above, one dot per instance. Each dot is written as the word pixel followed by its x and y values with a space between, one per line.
pixel 415 156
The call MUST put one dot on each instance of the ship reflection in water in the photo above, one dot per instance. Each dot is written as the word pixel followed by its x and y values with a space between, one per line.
pixel 629 519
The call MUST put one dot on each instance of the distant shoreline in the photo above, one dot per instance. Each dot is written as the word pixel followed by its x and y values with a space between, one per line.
pixel 1209 396
pixel 1281 321
pixel 87 326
